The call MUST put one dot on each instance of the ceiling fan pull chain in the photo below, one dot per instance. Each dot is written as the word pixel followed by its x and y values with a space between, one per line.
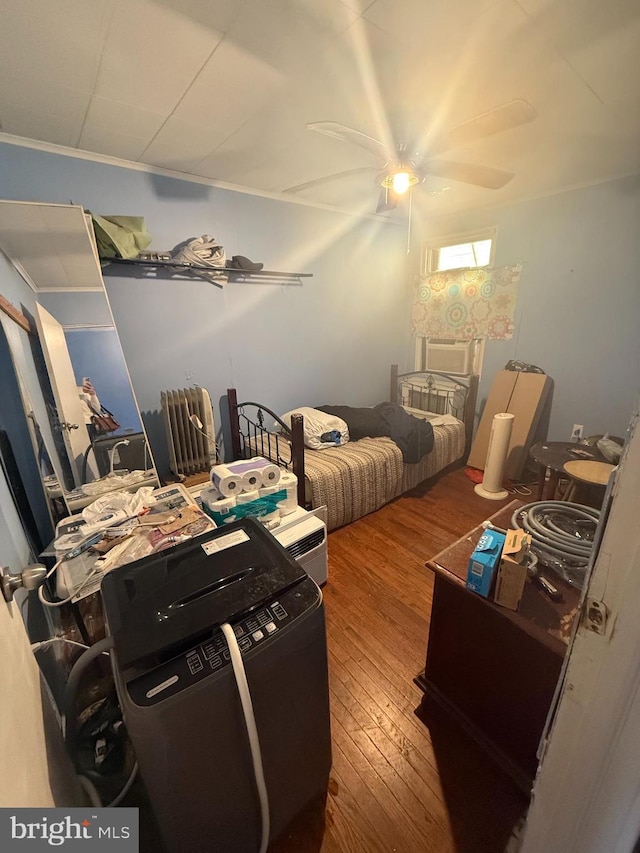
pixel 409 223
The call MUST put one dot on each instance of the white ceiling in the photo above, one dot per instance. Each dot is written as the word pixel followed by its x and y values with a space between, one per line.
pixel 223 89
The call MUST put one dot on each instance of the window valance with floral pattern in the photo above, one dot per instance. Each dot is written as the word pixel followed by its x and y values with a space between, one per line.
pixel 467 304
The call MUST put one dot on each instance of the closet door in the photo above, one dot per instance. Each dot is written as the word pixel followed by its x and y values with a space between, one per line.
pixel 65 389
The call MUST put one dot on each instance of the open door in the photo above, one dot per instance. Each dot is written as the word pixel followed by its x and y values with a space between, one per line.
pixel 31 750
pixel 65 389
pixel 35 769
pixel 586 797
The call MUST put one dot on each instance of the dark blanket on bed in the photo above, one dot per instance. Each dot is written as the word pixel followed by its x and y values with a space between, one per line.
pixel 362 423
pixel 414 436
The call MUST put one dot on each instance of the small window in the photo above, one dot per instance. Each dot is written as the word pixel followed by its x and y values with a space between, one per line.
pixel 461 252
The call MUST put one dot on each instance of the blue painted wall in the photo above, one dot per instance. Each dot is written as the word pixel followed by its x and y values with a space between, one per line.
pixel 578 313
pixel 331 338
pixel 334 337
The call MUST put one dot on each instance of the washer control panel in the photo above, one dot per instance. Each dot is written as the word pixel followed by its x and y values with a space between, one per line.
pixel 252 631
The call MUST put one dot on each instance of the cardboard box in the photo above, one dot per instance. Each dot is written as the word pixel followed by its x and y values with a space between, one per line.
pixel 522 395
pixel 516 544
pixel 512 573
pixel 484 562
pixel 498 400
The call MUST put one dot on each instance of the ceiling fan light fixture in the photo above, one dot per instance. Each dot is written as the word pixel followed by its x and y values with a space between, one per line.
pixel 400 179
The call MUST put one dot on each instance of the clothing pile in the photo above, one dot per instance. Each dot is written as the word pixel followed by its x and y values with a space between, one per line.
pixel 414 436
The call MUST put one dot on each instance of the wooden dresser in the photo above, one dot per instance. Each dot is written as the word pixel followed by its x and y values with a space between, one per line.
pixel 495 670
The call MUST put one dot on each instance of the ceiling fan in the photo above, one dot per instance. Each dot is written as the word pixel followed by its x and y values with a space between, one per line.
pixel 402 169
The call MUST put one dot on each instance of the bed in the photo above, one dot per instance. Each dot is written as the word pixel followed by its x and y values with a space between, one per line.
pixel 361 476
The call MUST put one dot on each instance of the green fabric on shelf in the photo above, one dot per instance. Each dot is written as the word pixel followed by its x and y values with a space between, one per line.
pixel 120 236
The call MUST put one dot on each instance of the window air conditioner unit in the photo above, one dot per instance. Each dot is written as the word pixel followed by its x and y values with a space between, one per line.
pixel 449 356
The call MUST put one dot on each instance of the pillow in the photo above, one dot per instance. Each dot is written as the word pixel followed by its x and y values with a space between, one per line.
pixel 321 430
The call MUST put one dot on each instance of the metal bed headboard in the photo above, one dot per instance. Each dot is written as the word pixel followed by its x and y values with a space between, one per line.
pixel 440 393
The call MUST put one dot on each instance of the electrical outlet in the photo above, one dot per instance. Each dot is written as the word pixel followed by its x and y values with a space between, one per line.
pixel 576 432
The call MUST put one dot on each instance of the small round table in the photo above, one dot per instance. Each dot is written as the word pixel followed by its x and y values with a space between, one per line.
pixel 552 456
pixel 589 472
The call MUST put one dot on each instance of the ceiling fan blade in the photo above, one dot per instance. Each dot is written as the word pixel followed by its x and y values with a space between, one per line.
pixel 349 134
pixel 334 177
pixel 470 173
pixel 494 121
pixel 387 200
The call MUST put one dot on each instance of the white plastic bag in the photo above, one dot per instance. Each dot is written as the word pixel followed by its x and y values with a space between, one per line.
pixel 609 448
pixel 128 503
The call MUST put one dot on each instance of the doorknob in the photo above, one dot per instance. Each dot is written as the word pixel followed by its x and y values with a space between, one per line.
pixel 30 578
pixel 67 425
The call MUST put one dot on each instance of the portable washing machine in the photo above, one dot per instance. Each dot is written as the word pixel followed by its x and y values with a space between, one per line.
pixel 170 615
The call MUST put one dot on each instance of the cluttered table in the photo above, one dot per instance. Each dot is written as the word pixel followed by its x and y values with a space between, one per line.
pixel 170 515
pixel 538 615
pixel 495 670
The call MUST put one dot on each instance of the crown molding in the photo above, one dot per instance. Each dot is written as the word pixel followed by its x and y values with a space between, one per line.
pixel 105 159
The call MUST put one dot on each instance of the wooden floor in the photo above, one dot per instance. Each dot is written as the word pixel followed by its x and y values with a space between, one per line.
pixel 399 783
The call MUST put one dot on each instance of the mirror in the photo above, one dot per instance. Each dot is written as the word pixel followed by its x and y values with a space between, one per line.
pixel 86 430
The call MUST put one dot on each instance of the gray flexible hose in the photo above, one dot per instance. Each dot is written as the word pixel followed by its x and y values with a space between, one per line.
pixel 70 729
pixel 548 537
pixel 91 791
pixel 71 689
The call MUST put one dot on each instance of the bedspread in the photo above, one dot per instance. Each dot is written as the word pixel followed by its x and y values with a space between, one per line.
pixel 355 479
pixel 362 476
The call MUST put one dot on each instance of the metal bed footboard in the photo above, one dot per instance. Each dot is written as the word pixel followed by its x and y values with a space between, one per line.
pixel 250 436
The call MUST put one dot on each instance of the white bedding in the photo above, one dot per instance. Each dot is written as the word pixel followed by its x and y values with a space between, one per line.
pixel 433 418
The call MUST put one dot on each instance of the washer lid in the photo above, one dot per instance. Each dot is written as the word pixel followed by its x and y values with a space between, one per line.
pixel 167 599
